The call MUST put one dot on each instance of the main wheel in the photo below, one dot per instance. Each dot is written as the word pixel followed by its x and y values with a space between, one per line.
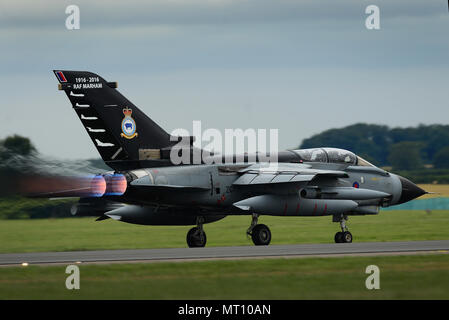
pixel 196 238
pixel 261 235
pixel 338 237
pixel 347 237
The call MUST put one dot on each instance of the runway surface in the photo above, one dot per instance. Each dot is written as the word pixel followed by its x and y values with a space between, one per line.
pixel 181 254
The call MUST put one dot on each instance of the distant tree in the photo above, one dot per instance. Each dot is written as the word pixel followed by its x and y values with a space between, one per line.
pixel 406 155
pixel 374 142
pixel 369 141
pixel 441 159
pixel 16 145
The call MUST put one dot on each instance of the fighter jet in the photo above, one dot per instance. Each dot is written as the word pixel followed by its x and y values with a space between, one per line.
pixel 147 187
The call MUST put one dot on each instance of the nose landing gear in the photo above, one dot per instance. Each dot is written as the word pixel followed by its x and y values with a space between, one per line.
pixel 344 236
pixel 196 237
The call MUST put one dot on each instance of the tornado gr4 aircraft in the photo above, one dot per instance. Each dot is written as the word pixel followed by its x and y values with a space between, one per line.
pixel 146 187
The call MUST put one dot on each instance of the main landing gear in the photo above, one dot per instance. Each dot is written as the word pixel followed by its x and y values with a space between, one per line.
pixel 196 237
pixel 260 233
pixel 344 236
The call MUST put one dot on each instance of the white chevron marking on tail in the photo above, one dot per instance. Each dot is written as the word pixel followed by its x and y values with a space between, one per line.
pixel 88 118
pixel 76 94
pixel 95 130
pixel 103 144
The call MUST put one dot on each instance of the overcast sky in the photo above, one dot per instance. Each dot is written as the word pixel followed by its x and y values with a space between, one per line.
pixel 298 66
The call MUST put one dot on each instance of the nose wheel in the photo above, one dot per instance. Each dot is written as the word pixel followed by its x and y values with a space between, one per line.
pixel 344 236
pixel 260 233
pixel 196 237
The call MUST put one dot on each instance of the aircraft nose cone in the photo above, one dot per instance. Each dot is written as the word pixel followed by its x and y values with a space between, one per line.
pixel 410 190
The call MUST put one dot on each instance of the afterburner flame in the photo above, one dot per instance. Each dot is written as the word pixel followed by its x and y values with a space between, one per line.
pixel 61 186
pixel 98 186
pixel 116 184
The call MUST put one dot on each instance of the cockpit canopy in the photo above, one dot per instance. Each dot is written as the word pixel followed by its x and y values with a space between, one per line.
pixel 331 155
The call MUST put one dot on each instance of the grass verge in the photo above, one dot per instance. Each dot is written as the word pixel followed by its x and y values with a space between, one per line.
pixel 401 277
pixel 68 234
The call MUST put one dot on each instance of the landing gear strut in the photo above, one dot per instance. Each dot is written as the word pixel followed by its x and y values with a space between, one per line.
pixel 344 236
pixel 196 237
pixel 260 233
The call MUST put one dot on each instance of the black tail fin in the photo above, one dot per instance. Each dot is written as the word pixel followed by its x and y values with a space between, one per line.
pixel 123 135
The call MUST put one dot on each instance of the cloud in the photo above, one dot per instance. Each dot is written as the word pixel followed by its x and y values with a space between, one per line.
pixel 119 14
pixel 180 59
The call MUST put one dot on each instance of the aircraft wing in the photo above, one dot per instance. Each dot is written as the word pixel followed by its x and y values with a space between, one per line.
pixel 283 174
pixel 146 183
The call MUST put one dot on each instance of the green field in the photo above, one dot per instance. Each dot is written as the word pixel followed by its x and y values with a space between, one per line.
pixel 401 277
pixel 66 234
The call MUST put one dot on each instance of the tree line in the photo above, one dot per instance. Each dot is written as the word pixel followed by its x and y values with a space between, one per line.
pixel 412 148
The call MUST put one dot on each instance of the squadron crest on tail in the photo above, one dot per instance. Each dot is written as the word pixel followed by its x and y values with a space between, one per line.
pixel 128 125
